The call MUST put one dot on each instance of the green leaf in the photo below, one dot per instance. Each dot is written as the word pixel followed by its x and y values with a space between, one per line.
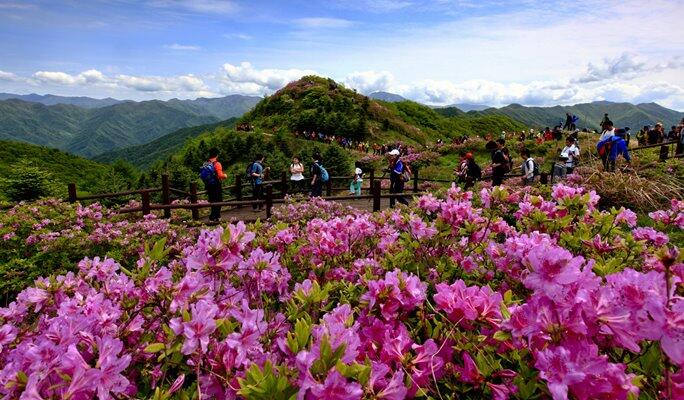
pixel 502 336
pixel 154 348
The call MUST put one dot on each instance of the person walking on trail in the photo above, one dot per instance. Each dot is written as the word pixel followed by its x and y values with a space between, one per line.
pixel 357 181
pixel 256 173
pixel 297 175
pixel 399 174
pixel 500 162
pixel 212 174
pixel 572 153
pixel 614 146
pixel 316 176
pixel 575 120
pixel 528 168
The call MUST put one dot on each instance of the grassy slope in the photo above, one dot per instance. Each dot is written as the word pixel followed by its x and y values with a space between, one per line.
pixel 64 167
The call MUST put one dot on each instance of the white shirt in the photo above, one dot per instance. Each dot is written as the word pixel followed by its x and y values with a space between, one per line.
pixel 297 170
pixel 357 174
pixel 573 152
pixel 528 168
pixel 606 134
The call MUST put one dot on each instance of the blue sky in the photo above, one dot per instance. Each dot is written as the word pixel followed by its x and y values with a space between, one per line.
pixel 433 51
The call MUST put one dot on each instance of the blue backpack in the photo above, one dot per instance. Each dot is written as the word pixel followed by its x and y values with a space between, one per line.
pixel 324 174
pixel 208 173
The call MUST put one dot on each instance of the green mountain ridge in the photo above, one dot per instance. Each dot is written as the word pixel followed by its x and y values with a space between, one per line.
pixel 590 114
pixel 143 156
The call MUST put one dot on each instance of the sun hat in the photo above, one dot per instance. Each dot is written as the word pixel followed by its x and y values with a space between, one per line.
pixel 394 152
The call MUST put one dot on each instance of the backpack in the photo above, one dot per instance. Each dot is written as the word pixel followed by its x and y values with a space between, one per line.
pixel 604 149
pixel 324 174
pixel 506 165
pixel 474 171
pixel 208 173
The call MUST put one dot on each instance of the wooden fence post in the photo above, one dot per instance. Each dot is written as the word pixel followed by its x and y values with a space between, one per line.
pixel 267 174
pixel 328 188
pixel 372 179
pixel 543 178
pixel 664 152
pixel 166 194
pixel 193 200
pixel 269 200
pixel 415 181
pixel 145 202
pixel 283 183
pixel 376 195
pixel 72 192
pixel 238 187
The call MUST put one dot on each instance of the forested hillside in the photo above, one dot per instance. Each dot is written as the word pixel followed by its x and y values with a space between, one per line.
pixel 143 156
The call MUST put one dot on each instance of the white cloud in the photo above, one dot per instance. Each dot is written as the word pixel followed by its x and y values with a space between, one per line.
pixel 370 81
pixel 15 6
pixel 182 47
pixel 321 22
pixel 58 78
pixel 374 5
pixel 199 6
pixel 248 80
pixel 626 66
pixel 241 36
pixel 7 76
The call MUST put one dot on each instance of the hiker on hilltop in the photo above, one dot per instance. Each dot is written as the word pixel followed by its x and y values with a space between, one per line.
pixel 604 120
pixel 655 135
pixel 468 172
pixel 212 174
pixel 608 130
pixel 568 122
pixel 256 174
pixel 400 173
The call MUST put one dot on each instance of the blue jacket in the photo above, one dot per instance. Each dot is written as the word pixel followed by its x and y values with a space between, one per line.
pixel 257 169
pixel 618 146
pixel 398 167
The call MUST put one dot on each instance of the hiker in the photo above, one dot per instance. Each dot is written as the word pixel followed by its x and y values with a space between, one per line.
pixel 256 174
pixel 399 174
pixel 357 181
pixel 529 167
pixel 628 133
pixel 212 174
pixel 608 130
pixel 572 153
pixel 642 135
pixel 655 135
pixel 468 171
pixel 500 163
pixel 568 121
pixel 575 120
pixel 297 175
pixel 319 175
pixel 613 147
pixel 604 120
pixel 548 135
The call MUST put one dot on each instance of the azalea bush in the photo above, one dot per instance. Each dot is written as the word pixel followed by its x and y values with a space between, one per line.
pixel 518 294
pixel 51 236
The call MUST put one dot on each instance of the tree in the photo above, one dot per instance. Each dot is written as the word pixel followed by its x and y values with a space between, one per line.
pixel 336 161
pixel 28 182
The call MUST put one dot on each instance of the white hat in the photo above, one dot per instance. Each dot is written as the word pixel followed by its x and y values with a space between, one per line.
pixel 394 152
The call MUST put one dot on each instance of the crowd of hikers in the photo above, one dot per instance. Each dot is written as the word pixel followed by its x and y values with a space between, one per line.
pixel 612 143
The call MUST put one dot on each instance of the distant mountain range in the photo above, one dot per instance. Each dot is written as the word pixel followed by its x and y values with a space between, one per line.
pixel 51 100
pixel 93 128
pixel 591 114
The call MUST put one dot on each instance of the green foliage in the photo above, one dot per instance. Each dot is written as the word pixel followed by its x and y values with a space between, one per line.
pixel 28 182
pixel 336 161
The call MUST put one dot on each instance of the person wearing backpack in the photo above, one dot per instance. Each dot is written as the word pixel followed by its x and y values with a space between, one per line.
pixel 357 181
pixel 398 176
pixel 319 176
pixel 529 168
pixel 501 164
pixel 256 174
pixel 618 147
pixel 212 174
